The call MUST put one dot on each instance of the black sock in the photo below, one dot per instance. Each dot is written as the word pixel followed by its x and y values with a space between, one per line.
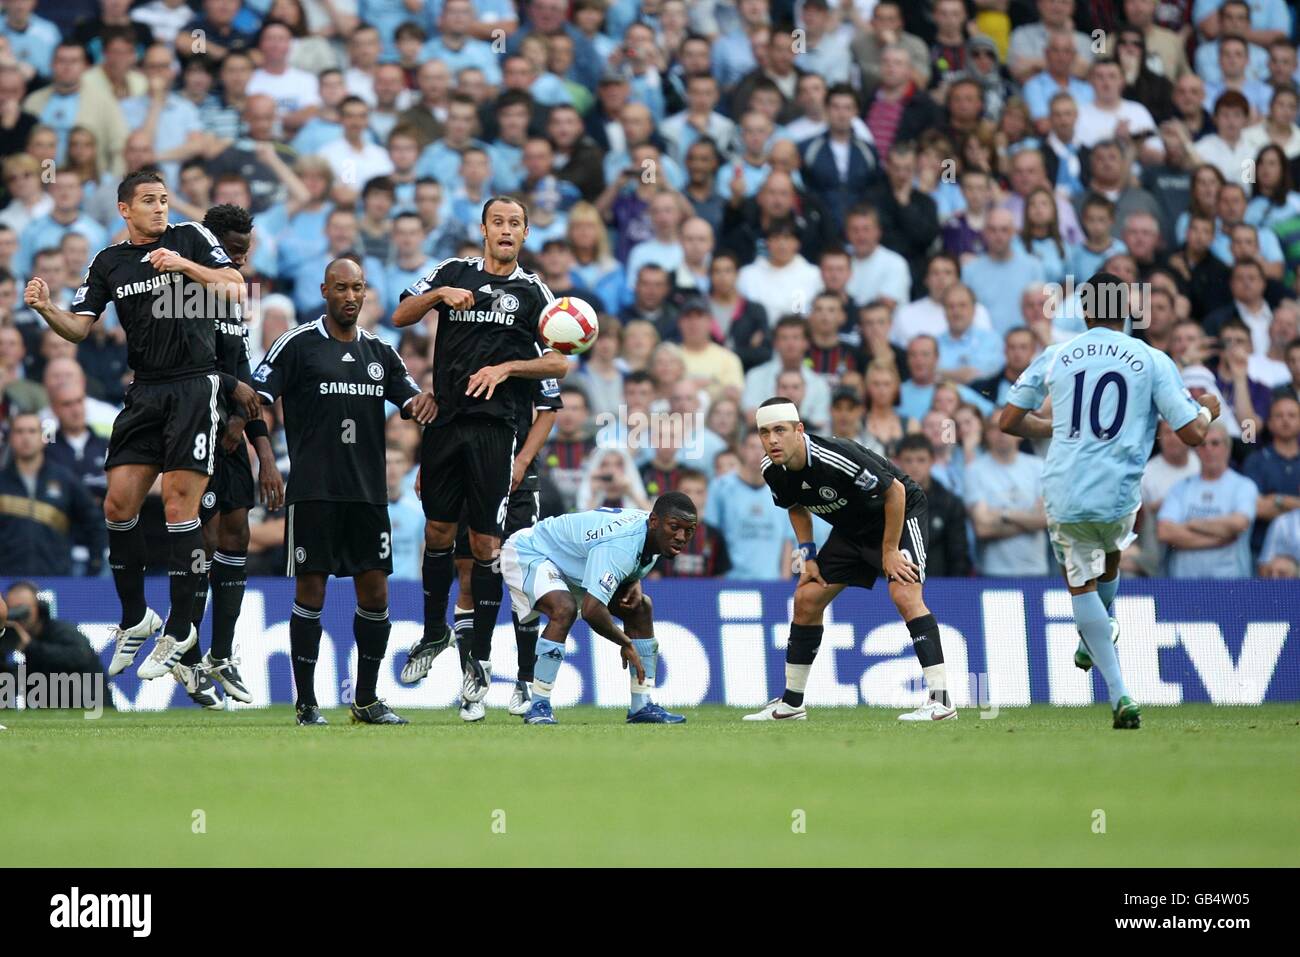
pixel 304 646
pixel 463 626
pixel 526 642
pixel 370 629
pixel 185 561
pixel 801 649
pixel 438 573
pixel 195 654
pixel 485 585
pixel 126 558
pixel 929 650
pixel 228 580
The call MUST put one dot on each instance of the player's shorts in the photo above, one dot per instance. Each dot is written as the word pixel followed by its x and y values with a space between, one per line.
pixel 1081 547
pixel 467 464
pixel 173 425
pixel 529 575
pixel 342 539
pixel 855 559
pixel 522 511
pixel 231 486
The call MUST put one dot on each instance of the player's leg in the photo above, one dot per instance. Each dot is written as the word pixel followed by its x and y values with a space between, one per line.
pixel 304 638
pixel 561 611
pixel 229 579
pixel 485 589
pixel 638 625
pixel 370 628
pixel 190 672
pixel 1093 620
pixel 1114 539
pixel 442 493
pixel 128 484
pixel 462 617
pixel 909 599
pixel 810 602
pixel 523 512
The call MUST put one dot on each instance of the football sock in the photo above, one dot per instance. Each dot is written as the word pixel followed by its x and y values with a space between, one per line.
pixel 184 552
pixel 550 655
pixel 800 652
pixel 485 585
pixel 1094 624
pixel 304 646
pixel 195 654
pixel 526 643
pixel 1106 591
pixel 463 626
pixel 648 650
pixel 929 651
pixel 370 629
pixel 126 558
pixel 438 573
pixel 228 576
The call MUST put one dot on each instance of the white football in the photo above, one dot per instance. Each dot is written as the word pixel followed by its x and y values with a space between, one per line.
pixel 569 326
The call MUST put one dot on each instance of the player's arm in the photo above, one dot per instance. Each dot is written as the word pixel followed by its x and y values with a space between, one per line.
pixel 597 616
pixel 892 562
pixel 549 365
pixel 543 421
pixel 1024 423
pixel 420 298
pixel 72 326
pixel 801 522
pixel 1194 432
pixel 225 280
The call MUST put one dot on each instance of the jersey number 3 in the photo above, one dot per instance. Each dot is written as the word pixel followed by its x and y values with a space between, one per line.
pixel 1094 410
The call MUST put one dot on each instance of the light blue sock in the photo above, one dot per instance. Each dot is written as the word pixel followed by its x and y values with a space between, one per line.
pixel 1094 624
pixel 1106 592
pixel 550 655
pixel 648 650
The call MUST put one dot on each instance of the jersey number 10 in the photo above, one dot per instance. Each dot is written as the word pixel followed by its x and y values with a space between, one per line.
pixel 1094 410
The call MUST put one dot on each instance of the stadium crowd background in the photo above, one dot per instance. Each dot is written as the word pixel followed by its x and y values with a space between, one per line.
pixel 855 203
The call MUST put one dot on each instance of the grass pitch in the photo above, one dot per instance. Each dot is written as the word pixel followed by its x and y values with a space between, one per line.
pixel 1198 785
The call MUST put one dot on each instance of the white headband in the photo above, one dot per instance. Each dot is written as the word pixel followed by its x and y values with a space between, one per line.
pixel 785 412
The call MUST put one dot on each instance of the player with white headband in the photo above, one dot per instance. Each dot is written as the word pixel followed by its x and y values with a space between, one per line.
pixel 878 516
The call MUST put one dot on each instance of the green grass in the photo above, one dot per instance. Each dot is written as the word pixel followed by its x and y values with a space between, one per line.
pixel 1198 785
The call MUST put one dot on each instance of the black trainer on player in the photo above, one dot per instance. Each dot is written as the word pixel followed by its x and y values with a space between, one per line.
pixel 333 380
pixel 487 313
pixel 163 280
pixel 878 519
pixel 232 490
pixel 536 417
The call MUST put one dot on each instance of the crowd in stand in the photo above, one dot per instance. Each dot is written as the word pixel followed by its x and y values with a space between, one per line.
pixel 875 208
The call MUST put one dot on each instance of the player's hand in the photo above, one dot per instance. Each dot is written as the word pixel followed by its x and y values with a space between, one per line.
pixel 1211 402
pixel 454 297
pixel 632 597
pixel 811 573
pixel 484 382
pixel 630 657
pixel 517 472
pixel 245 400
pixel 424 408
pixel 270 481
pixel 37 293
pixel 167 260
pixel 898 568
pixel 234 434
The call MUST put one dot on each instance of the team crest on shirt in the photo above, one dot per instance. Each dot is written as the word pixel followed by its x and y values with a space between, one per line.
pixel 508 303
pixel 827 493
pixel 209 499
pixel 300 554
pixel 375 370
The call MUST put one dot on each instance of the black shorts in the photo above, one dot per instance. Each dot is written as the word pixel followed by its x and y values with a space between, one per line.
pixel 231 486
pixel 173 425
pixel 465 466
pixel 342 539
pixel 522 511
pixel 855 559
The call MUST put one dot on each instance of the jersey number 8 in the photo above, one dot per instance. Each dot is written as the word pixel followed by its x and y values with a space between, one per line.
pixel 201 446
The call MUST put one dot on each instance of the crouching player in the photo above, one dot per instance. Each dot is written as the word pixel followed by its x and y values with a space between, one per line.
pixel 879 519
pixel 600 558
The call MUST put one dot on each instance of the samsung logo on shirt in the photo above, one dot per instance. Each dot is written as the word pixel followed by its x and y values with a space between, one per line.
pixel 832 507
pixel 352 388
pixel 147 285
pixel 483 315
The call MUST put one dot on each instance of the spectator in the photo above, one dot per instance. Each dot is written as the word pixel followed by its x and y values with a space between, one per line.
pixel 756 531
pixel 427 116
pixel 840 166
pixel 831 350
pixel 1000 275
pixel 1004 496
pixel 870 50
pixel 848 419
pixel 610 480
pixel 1275 468
pixel 566 453
pixel 700 119
pixel 214 32
pixel 33 40
pixel 49 645
pixel 1058 75
pixel 1206 521
pixel 713 366
pixel 777 199
pixel 1246 283
pixel 577 157
pixel 261 159
pixel 354 157
pixel 782 281
pixel 1029 173
pixel 963 231
pixel 947 552
pixel 64 217
pixel 705 555
pixel 1292 387
pixel 1040 234
pixel 19 393
pixel 650 300
pixel 296 92
pixel 740 323
pixel 884 425
pixel 1018 350
pixel 878 272
pixel 898 108
pixel 405 516
pixel 1227 150
pixel 1203 274
pixel 908 218
pixel 1234 70
pixel 1026 54
pixel 44 510
pixel 1279 126
pixel 1110 116
pixel 1097 214
pixel 965 352
pixel 75 447
pixel 663 247
pixel 64 374
pixel 22 176
pixel 1280 557
pixel 409 262
pixel 790 345
pixel 601 375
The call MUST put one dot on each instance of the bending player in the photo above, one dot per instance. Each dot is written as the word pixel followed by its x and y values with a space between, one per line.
pixel 600 557
pixel 1108 392
pixel 878 516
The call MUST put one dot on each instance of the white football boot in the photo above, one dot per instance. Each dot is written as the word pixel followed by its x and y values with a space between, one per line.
pixel 129 641
pixel 778 710
pixel 166 655
pixel 472 710
pixel 477 681
pixel 521 699
pixel 932 710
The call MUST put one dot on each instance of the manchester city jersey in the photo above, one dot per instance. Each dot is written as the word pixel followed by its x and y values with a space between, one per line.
pixel 595 551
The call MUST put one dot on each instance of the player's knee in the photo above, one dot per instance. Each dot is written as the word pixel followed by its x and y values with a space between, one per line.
pixel 372 594
pixel 310 591
pixel 809 602
pixel 117 508
pixel 483 547
pixel 439 536
pixel 560 608
pixel 234 537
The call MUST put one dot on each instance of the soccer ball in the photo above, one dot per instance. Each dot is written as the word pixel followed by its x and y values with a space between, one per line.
pixel 568 326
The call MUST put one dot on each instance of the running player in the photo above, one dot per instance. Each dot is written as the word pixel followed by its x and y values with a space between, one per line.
pixel 1108 393
pixel 173 408
pixel 224 507
pixel 878 521
pixel 522 511
pixel 487 311
pixel 599 557
pixel 333 379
